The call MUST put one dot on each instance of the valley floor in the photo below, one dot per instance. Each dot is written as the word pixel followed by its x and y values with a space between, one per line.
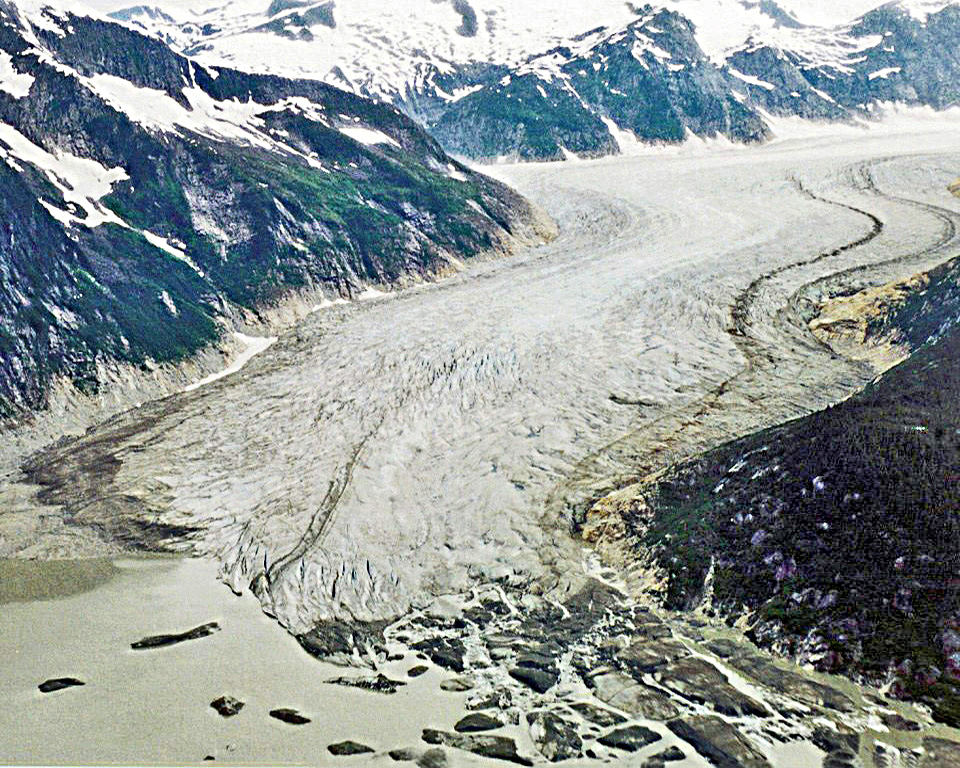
pixel 154 706
pixel 409 445
pixel 450 435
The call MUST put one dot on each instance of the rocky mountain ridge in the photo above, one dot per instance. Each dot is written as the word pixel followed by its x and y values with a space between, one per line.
pixel 492 81
pixel 149 201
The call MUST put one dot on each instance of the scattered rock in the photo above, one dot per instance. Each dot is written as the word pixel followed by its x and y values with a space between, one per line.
pixel 555 738
pixel 417 670
pixel 536 660
pixel 899 723
pixel 887 755
pixel 500 699
pixel 209 758
pixel 433 758
pixel 652 628
pixel 477 721
pixel 338 641
pixel 59 684
pixel 457 685
pixel 479 616
pixel 791 684
pixel 660 760
pixel 841 748
pixel 598 715
pixel 645 656
pixel 630 738
pixel 718 741
pixel 590 605
pixel 940 753
pixel 344 748
pixel 700 681
pixel 539 680
pixel 724 648
pixel 444 652
pixel 162 641
pixel 227 706
pixel 379 684
pixel 498 747
pixel 502 640
pixel 846 760
pixel 623 692
pixel 290 716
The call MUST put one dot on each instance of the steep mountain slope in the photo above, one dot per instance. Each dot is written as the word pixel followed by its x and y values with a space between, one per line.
pixel 890 54
pixel 145 198
pixel 648 79
pixel 530 81
pixel 375 47
pixel 535 80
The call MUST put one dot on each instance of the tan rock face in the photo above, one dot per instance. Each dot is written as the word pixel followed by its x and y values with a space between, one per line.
pixel 955 188
pixel 845 322
pixel 605 519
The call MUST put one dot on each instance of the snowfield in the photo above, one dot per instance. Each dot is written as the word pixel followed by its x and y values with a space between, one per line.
pixel 384 48
pixel 386 451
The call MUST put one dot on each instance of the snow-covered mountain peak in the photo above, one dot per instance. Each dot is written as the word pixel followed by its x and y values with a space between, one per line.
pixel 376 45
pixel 579 67
pixel 921 10
pixel 148 198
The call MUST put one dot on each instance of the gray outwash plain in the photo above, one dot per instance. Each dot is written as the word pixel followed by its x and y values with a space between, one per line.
pixel 441 441
pixel 422 443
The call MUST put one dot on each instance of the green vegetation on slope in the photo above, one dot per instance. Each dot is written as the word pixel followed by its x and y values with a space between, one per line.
pixel 839 532
pixel 294 203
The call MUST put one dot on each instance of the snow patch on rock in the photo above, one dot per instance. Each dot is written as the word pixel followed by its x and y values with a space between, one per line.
pixel 368 136
pixel 252 346
pixel 82 182
pixel 12 81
